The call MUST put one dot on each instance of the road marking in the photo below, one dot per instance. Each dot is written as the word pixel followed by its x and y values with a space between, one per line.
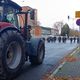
pixel 74 51
pixel 59 67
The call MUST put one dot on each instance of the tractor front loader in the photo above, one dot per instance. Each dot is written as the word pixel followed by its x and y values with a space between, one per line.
pixel 16 43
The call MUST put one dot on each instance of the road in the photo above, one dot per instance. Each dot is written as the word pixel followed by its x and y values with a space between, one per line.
pixel 54 53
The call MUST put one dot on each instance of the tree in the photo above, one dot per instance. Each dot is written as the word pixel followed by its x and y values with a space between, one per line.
pixel 74 32
pixel 58 25
pixel 65 30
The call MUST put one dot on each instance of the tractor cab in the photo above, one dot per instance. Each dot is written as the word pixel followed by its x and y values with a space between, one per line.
pixel 7 11
pixel 10 12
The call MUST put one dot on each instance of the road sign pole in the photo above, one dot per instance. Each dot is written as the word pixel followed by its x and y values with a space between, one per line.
pixel 79 37
pixel 78 23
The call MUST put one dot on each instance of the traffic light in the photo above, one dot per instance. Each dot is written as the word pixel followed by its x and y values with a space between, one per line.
pixel 68 17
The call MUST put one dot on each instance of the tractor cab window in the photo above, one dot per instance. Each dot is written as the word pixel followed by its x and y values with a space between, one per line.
pixel 9 15
pixel 1 13
pixel 21 20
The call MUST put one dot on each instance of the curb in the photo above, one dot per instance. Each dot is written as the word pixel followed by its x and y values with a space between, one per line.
pixel 49 75
pixel 76 50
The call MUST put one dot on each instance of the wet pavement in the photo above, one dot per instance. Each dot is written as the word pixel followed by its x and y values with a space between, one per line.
pixel 69 69
pixel 54 53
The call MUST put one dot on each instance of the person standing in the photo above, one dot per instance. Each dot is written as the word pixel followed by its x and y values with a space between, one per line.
pixel 71 39
pixel 63 39
pixel 59 39
pixel 74 39
pixel 54 39
pixel 77 39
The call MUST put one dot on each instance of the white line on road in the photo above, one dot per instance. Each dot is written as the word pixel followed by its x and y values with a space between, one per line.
pixel 59 67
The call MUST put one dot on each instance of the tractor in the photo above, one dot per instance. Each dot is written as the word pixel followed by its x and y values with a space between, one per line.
pixel 16 43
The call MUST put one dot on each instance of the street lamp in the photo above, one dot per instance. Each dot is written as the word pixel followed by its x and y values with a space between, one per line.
pixel 72 19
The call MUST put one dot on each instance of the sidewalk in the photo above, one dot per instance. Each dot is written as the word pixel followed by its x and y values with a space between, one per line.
pixel 69 69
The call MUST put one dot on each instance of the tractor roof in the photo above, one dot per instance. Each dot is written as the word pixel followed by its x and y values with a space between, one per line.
pixel 10 3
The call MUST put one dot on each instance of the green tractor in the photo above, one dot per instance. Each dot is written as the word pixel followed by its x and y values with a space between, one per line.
pixel 16 44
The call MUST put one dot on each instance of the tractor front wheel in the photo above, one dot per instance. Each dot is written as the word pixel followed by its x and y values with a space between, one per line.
pixel 36 60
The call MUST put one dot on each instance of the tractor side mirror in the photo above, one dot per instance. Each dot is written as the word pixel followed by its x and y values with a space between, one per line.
pixel 32 14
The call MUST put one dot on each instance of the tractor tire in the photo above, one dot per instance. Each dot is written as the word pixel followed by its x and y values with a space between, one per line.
pixel 37 60
pixel 12 56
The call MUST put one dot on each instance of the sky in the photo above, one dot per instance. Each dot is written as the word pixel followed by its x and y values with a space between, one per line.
pixel 51 11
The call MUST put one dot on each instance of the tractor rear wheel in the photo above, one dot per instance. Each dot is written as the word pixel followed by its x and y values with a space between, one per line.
pixel 11 54
pixel 36 60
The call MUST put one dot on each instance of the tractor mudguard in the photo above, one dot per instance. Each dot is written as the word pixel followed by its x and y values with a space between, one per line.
pixel 8 28
pixel 33 46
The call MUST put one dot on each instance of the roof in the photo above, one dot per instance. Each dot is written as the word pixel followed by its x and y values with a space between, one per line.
pixel 27 7
pixel 47 28
pixel 10 3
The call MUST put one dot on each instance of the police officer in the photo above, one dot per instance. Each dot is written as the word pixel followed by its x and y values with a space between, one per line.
pixel 71 39
pixel 59 39
pixel 77 39
pixel 74 39
pixel 54 38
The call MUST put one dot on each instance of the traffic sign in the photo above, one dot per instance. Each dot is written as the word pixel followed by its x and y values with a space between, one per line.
pixel 78 22
pixel 77 14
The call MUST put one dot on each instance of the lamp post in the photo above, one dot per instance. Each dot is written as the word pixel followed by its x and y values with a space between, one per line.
pixel 72 20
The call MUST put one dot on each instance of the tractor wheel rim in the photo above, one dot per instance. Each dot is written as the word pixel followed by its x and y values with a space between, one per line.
pixel 13 55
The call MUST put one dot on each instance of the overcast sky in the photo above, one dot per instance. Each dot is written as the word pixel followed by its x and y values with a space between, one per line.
pixel 50 11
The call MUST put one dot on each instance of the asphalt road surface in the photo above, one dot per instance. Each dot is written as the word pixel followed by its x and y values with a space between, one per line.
pixel 54 53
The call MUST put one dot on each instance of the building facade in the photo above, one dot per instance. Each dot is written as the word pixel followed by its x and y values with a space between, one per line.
pixel 35 28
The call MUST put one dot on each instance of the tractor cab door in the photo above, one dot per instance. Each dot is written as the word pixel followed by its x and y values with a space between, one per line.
pixel 7 12
pixel 1 13
pixel 23 24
